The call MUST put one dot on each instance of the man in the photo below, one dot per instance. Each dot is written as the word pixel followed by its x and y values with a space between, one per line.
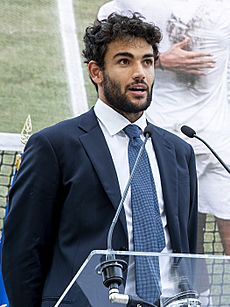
pixel 192 88
pixel 73 174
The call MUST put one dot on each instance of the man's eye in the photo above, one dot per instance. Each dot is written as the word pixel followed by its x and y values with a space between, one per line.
pixel 149 62
pixel 124 61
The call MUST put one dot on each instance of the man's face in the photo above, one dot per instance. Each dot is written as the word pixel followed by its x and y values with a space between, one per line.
pixel 128 76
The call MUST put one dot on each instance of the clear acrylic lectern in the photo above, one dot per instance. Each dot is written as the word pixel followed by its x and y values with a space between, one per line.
pixel 192 280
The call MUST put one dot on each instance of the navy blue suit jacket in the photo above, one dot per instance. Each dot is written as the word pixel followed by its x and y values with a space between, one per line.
pixel 63 202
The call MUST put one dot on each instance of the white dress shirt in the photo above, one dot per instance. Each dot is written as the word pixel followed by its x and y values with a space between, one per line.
pixel 112 124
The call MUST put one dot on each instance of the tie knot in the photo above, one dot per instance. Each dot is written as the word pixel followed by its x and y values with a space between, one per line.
pixel 132 131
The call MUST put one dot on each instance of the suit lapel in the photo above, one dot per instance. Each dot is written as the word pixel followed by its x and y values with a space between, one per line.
pixel 166 158
pixel 96 147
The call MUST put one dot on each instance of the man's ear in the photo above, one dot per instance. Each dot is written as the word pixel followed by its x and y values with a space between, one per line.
pixel 95 72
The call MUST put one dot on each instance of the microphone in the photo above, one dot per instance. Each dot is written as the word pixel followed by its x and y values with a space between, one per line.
pixel 188 131
pixel 112 269
pixel 192 134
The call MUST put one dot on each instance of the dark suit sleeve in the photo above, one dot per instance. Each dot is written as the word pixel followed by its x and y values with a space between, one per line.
pixel 31 223
pixel 192 224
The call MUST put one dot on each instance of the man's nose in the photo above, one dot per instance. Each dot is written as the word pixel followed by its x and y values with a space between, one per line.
pixel 138 71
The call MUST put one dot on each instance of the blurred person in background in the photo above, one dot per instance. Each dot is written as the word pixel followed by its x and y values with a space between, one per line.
pixel 192 88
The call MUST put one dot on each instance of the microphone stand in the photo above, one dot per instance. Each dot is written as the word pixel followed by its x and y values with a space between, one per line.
pixel 120 206
pixel 112 269
pixel 189 132
pixel 214 153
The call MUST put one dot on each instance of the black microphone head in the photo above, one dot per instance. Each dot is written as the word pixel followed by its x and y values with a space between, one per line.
pixel 188 131
pixel 148 130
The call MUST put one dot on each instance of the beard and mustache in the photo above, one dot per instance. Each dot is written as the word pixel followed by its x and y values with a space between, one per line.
pixel 119 101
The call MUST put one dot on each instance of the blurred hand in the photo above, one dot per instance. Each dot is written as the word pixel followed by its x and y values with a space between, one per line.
pixel 177 58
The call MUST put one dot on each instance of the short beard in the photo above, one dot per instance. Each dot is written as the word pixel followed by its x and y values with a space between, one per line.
pixel 119 101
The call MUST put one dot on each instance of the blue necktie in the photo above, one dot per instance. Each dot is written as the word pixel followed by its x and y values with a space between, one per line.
pixel 148 234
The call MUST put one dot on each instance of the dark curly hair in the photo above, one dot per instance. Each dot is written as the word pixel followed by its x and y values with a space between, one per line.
pixel 118 27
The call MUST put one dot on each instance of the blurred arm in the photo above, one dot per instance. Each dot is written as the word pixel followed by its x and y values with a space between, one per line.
pixel 176 58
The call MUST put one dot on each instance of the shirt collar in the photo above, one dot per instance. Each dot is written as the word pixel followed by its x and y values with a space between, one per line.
pixel 113 121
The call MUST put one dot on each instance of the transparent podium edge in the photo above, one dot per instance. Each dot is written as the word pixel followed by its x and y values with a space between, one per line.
pixel 133 253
